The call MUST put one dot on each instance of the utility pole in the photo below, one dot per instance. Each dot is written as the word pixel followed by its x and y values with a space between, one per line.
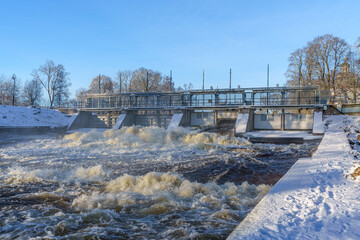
pixel 268 70
pixel 170 80
pixel 203 87
pixel 230 79
pixel 267 92
pixel 299 84
pixel 120 81
pixel 99 84
pixel 99 92
pixel 14 87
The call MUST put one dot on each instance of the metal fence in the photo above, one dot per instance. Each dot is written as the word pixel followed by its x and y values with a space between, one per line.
pixel 279 96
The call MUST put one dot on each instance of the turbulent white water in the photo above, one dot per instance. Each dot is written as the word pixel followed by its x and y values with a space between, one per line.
pixel 134 183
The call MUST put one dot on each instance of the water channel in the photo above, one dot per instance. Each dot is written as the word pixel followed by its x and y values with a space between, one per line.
pixel 134 183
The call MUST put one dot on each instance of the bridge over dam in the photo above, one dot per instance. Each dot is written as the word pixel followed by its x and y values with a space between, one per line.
pixel 247 109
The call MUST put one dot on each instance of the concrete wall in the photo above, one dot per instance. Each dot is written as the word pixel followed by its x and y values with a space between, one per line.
pixel 202 118
pixel 162 118
pixel 319 124
pixel 298 121
pixel 350 109
pixel 153 120
pixel 176 120
pixel 227 114
pixel 267 122
pixel 80 121
pixel 146 120
pixel 241 124
pixel 87 120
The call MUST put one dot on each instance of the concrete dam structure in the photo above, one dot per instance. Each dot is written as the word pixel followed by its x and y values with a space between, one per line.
pixel 249 109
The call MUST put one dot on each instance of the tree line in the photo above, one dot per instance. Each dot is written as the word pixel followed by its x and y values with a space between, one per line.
pixel 139 80
pixel 49 86
pixel 50 78
pixel 329 62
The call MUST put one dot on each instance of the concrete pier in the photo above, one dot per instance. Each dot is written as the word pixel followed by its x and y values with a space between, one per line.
pixel 247 119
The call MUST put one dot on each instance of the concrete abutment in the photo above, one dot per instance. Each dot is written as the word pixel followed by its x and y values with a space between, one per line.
pixel 246 119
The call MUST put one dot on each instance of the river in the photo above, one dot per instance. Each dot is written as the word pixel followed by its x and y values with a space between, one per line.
pixel 134 183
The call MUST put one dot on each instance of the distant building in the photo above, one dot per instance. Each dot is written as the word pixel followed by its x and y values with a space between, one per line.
pixel 344 67
pixel 346 85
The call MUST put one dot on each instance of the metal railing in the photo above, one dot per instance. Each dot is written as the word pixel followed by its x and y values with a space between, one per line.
pixel 280 96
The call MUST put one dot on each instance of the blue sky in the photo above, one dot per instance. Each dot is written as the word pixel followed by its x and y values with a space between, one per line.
pixel 102 37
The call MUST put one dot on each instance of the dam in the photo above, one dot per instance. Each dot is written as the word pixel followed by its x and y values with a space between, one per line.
pixel 138 175
pixel 248 109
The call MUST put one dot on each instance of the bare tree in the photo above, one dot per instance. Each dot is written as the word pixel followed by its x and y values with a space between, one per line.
pixel 81 94
pixel 167 84
pixel 296 68
pixel 55 81
pixel 125 78
pixel 62 95
pixel 349 77
pixel 2 89
pixel 9 90
pixel 142 80
pixel 357 48
pixel 186 87
pixel 106 85
pixel 146 80
pixel 32 92
pixel 318 63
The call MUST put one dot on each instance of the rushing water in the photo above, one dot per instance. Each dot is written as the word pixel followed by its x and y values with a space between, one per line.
pixel 134 183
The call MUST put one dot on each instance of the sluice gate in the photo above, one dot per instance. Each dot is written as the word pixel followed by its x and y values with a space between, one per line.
pixel 278 108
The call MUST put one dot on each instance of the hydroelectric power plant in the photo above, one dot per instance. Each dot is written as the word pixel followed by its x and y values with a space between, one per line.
pixel 149 166
pixel 276 108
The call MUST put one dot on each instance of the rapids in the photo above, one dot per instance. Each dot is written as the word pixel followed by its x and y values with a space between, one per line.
pixel 134 183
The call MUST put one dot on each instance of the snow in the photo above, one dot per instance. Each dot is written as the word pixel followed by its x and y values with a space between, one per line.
pixel 11 116
pixel 316 199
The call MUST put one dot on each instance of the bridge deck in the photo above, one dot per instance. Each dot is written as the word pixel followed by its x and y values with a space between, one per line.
pixel 220 98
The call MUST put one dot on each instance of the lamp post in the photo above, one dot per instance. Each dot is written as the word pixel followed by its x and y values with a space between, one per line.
pixel 14 87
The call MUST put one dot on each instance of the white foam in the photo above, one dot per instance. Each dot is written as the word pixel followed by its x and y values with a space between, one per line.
pixel 161 192
pixel 95 173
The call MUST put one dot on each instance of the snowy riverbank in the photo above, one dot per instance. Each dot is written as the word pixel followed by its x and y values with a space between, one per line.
pixel 316 199
pixel 31 117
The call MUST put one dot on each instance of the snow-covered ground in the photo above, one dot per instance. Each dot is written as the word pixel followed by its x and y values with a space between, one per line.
pixel 318 198
pixel 11 116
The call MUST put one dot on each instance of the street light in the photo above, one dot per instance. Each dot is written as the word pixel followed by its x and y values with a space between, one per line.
pixel 13 78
